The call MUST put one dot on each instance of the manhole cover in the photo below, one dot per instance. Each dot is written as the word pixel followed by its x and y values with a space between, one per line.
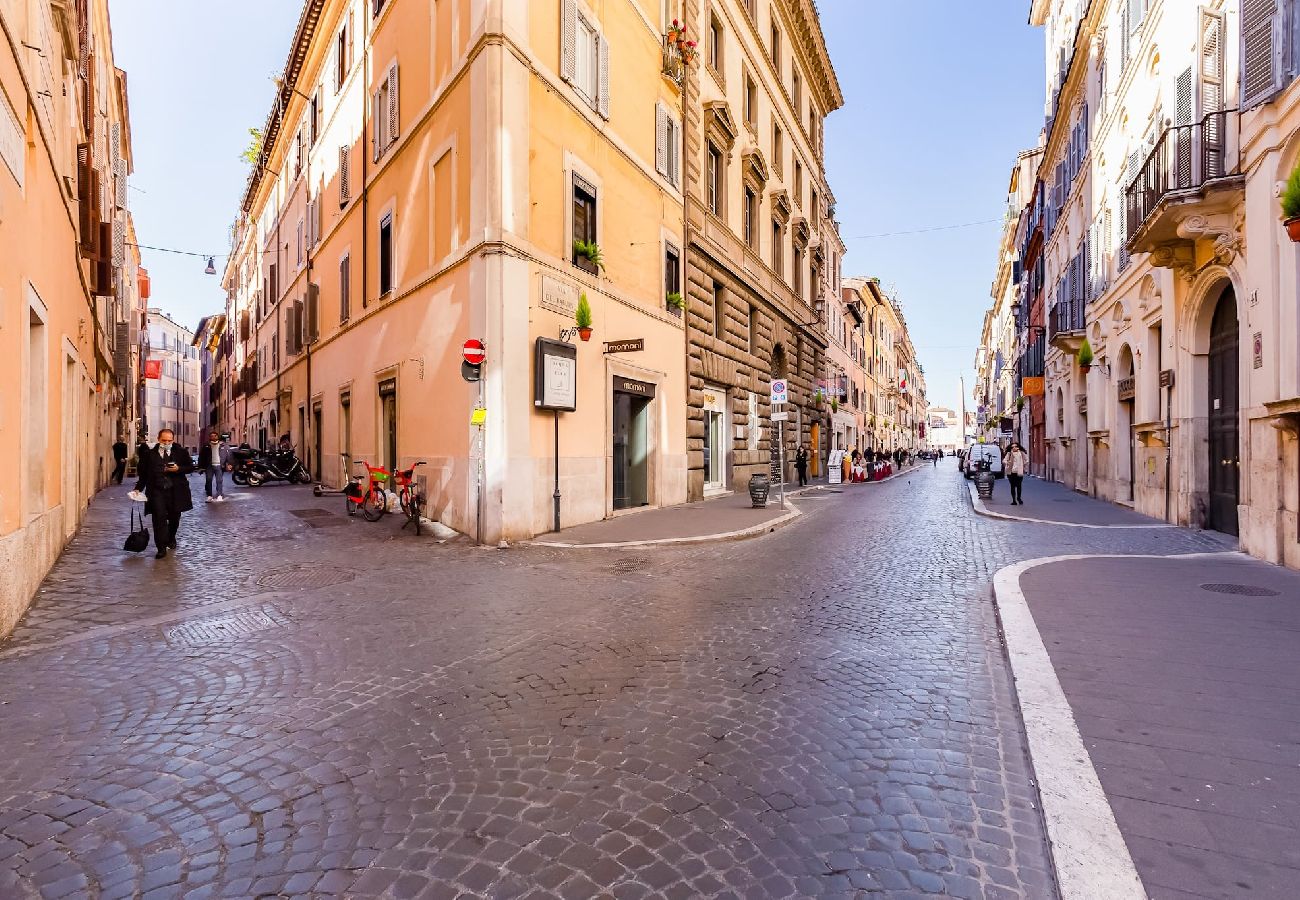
pixel 310 513
pixel 305 577
pixel 216 629
pixel 629 565
pixel 1241 590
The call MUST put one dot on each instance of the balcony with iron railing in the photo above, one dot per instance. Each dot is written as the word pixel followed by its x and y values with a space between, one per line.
pixel 1194 170
pixel 1066 322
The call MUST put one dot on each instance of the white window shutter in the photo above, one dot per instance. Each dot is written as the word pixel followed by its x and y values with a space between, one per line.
pixel 1211 53
pixel 604 77
pixel 661 141
pixel 376 117
pixel 393 107
pixel 1261 51
pixel 568 39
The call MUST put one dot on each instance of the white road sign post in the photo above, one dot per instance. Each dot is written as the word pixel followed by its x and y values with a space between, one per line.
pixel 780 395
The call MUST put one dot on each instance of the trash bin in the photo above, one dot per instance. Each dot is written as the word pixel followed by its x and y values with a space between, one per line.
pixel 759 486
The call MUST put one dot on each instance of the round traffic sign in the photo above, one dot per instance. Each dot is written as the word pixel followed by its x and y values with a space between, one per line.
pixel 473 352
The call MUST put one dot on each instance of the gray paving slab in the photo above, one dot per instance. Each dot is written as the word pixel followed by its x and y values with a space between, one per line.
pixel 1205 791
pixel 347 710
pixel 1052 501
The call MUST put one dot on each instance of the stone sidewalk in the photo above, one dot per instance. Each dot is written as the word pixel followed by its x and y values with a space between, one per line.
pixel 1052 502
pixel 1181 674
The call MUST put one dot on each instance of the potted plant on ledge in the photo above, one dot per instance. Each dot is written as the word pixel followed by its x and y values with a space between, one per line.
pixel 1291 206
pixel 676 302
pixel 582 317
pixel 1085 356
pixel 587 255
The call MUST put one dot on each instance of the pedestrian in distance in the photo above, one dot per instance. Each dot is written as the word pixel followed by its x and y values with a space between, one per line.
pixel 934 460
pixel 120 453
pixel 214 462
pixel 801 465
pixel 167 491
pixel 1016 462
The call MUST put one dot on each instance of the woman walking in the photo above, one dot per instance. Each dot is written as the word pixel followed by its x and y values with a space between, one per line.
pixel 1017 461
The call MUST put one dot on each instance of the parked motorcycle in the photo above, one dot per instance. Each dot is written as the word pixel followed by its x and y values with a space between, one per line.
pixel 281 466
pixel 241 462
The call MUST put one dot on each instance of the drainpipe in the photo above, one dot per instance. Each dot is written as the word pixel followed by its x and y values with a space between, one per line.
pixel 685 266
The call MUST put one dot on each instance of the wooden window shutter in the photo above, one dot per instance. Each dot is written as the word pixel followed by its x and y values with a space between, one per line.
pixel 313 313
pixel 89 228
pixel 1261 51
pixel 1211 54
pixel 1183 98
pixel 345 288
pixel 568 40
pixel 661 140
pixel 376 115
pixel 345 188
pixel 1125 42
pixel 393 106
pixel 604 77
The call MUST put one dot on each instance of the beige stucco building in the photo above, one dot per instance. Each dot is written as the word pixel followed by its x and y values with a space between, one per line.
pixel 426 172
pixel 67 279
pixel 1164 150
pixel 172 398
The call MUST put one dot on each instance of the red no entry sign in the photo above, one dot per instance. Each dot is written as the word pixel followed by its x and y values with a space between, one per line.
pixel 473 352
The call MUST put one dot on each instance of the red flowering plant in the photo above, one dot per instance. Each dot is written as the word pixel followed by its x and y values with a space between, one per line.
pixel 677 38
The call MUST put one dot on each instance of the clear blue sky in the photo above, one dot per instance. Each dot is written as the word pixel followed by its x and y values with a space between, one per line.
pixel 199 77
pixel 938 101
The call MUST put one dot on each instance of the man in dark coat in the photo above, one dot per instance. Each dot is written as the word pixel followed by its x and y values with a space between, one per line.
pixel 120 453
pixel 162 478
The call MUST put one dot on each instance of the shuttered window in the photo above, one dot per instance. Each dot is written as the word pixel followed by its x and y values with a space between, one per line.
pixel 1261 50
pixel 345 288
pixel 1211 58
pixel 386 106
pixel 713 180
pixel 668 141
pixel 345 175
pixel 584 57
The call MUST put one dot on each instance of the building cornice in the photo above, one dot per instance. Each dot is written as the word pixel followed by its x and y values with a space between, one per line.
pixel 293 66
pixel 807 27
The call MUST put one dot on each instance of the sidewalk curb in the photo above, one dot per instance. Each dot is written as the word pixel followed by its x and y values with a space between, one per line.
pixel 983 510
pixel 751 531
pixel 1088 852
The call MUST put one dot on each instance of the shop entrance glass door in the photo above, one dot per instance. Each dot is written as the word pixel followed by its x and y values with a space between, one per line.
pixel 631 451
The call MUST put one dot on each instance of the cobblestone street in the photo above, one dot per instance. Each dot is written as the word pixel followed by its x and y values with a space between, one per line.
pixel 301 704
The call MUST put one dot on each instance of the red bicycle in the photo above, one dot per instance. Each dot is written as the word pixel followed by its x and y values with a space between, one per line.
pixel 371 499
pixel 410 496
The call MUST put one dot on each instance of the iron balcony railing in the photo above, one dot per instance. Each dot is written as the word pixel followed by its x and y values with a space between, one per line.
pixel 1067 316
pixel 1185 158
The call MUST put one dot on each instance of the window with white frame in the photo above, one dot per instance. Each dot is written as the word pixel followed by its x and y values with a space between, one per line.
pixel 584 56
pixel 385 113
pixel 668 145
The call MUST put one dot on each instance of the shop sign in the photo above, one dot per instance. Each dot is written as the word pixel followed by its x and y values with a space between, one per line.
pixel 628 386
pixel 1127 388
pixel 559 296
pixel 555 381
pixel 1032 387
pixel 1259 349
pixel 628 346
pixel 1167 378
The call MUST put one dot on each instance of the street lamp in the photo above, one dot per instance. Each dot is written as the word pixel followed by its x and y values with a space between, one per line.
pixel 212 267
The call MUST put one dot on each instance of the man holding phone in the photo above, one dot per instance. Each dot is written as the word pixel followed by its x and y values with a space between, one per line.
pixel 163 472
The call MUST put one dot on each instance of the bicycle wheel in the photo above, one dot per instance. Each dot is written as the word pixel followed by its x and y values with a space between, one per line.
pixel 415 509
pixel 404 500
pixel 374 505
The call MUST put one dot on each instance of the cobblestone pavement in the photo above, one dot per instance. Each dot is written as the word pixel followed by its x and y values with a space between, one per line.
pixel 1181 675
pixel 298 704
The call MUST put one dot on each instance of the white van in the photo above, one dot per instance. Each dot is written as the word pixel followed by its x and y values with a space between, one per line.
pixel 977 452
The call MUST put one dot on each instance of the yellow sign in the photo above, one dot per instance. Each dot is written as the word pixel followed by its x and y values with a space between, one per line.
pixel 1032 387
pixel 479 416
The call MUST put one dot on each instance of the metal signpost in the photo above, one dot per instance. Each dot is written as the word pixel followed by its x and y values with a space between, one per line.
pixel 780 395
pixel 471 370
